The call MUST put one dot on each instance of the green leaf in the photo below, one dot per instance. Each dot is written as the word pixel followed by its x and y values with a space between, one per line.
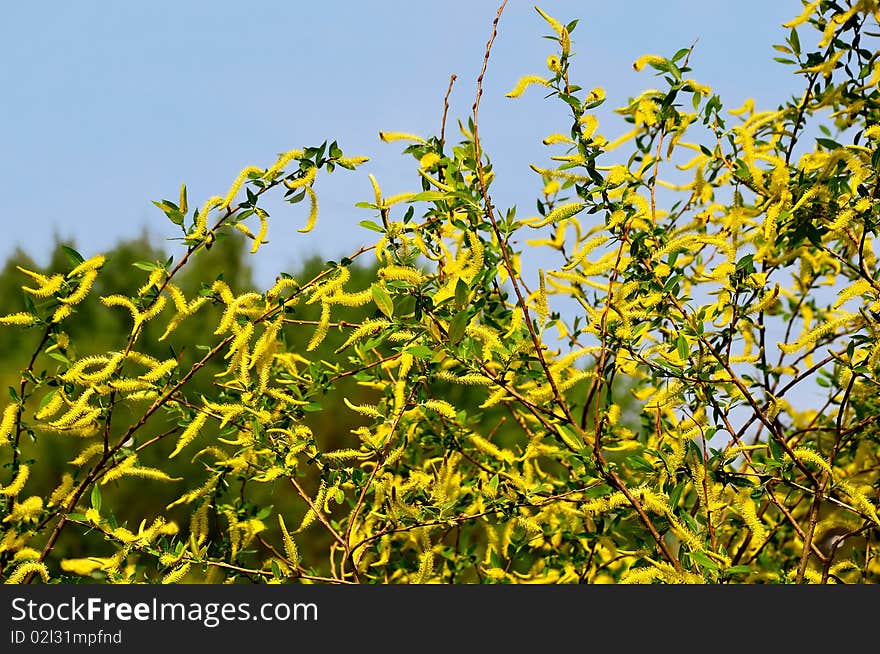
pixel 96 498
pixel 382 300
pixel 171 210
pixel 738 570
pixel 746 263
pixel 829 143
pixel 681 345
pixel 369 224
pixel 46 399
pixel 775 450
pixel 457 327
pixel 59 357
pixel 264 512
pixel 462 292
pixel 75 257
pixel 148 266
pixel 794 41
pixel 681 53
pixel 420 351
pixel 639 463
pixel 704 560
pixel 675 495
pixel 428 196
pixel 14 394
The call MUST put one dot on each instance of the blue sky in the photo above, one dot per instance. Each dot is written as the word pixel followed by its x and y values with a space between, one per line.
pixel 109 105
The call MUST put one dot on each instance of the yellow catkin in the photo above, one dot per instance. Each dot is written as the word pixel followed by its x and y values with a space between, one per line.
pixel 26 554
pixel 260 237
pixel 290 548
pixel 488 447
pixel 236 185
pixel 92 450
pixel 26 510
pixel 282 161
pixel 442 407
pixel 814 335
pixel 804 16
pixel 99 376
pixel 62 491
pixel 559 213
pixel 306 180
pixel 557 138
pixel 129 468
pixel 388 137
pixel 555 24
pixel 541 304
pixel 401 273
pixel 201 221
pixel 647 60
pixel 193 495
pixel 121 301
pixel 90 264
pixel 352 161
pixel 159 371
pixel 313 212
pixel 613 414
pixel 858 288
pixel 749 514
pixel 83 567
pixel 321 330
pixel 85 285
pixel 860 500
pixel 809 455
pixel 188 435
pixel 358 299
pixel 426 567
pixel 766 301
pixel 363 409
pixel 310 516
pixel 7 423
pixel 153 279
pixel 18 575
pixel 47 288
pixel 472 379
pixel 176 575
pixel 20 319
pixel 524 83
pixel 151 312
pixel 429 160
pixel 17 484
pixel 365 329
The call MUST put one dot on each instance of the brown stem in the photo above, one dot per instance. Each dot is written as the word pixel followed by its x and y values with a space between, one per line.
pixel 452 79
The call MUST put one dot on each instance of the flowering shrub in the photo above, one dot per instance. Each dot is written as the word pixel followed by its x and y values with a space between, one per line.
pixel 707 414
